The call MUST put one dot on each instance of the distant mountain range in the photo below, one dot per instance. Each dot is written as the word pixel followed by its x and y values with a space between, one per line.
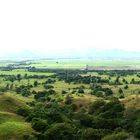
pixel 91 53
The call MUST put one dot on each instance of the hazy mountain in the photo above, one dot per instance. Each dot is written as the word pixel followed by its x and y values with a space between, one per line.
pixel 92 53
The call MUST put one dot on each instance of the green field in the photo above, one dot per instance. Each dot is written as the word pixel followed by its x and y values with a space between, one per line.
pixel 81 63
pixel 23 72
pixel 77 63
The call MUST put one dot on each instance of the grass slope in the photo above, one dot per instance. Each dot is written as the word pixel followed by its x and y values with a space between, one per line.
pixel 12 126
pixel 10 104
pixel 13 130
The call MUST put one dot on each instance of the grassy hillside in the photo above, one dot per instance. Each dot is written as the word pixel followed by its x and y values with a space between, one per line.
pixel 12 126
pixel 10 103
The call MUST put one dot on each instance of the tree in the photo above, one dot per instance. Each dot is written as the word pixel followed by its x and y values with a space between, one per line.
pixel 11 86
pixel 39 124
pixel 48 86
pixel 95 106
pixel 137 129
pixel 64 92
pixel 117 80
pixel 7 86
pixel 107 91
pixel 85 120
pixel 25 75
pixel 117 136
pixel 40 94
pixel 23 112
pixel 133 81
pixel 35 83
pixel 130 117
pixel 126 87
pixel 12 79
pixel 120 91
pixel 80 90
pixel 60 131
pixel 23 90
pixel 68 99
pixel 19 77
pixel 93 134
pixel 124 81
pixel 51 91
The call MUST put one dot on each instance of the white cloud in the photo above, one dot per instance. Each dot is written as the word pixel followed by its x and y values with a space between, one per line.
pixel 68 25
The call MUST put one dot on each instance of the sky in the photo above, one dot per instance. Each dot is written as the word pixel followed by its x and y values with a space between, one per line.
pixel 62 25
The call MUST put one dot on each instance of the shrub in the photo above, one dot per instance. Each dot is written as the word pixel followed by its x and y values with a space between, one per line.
pixel 39 124
pixel 23 112
pixel 80 90
pixel 48 86
pixel 117 136
pixel 137 129
pixel 64 92
pixel 93 134
pixel 126 87
pixel 60 131
pixel 68 99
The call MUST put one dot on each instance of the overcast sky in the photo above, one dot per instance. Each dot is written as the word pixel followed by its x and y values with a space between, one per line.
pixel 60 25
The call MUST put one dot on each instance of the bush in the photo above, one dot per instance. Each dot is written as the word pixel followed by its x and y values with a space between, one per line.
pixel 29 137
pixel 35 83
pixel 126 87
pixel 23 112
pixel 48 86
pixel 68 100
pixel 120 91
pixel 121 96
pixel 39 124
pixel 117 136
pixel 80 90
pixel 99 94
pixel 93 134
pixel 64 92
pixel 95 106
pixel 137 129
pixel 60 131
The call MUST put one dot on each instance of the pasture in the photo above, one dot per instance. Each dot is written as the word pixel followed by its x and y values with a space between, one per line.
pixel 82 63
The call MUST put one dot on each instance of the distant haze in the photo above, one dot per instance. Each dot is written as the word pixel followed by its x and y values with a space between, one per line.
pixel 75 28
pixel 88 54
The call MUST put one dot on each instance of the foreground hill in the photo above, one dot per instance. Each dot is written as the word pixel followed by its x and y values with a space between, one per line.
pixel 12 126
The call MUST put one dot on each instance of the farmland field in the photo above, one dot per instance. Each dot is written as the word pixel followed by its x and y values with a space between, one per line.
pixel 82 63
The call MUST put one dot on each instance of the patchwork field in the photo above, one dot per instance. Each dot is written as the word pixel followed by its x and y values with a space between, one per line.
pixel 93 63
pixel 77 63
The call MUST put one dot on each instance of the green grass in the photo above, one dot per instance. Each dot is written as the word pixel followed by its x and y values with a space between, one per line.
pixel 12 130
pixel 10 103
pixel 23 72
pixel 81 63
pixel 7 116
pixel 131 101
pixel 20 98
pixel 60 85
pixel 12 126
